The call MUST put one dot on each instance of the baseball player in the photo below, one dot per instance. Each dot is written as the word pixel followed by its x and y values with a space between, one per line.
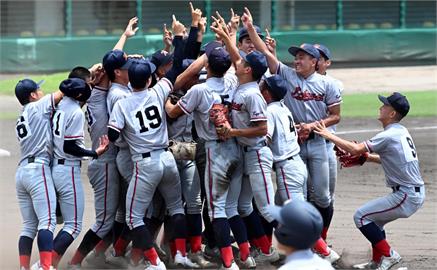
pixel 322 66
pixel 394 149
pixel 291 173
pixel 250 122
pixel 141 120
pixel 300 227
pixel 67 125
pixel 34 184
pixel 245 44
pixel 312 97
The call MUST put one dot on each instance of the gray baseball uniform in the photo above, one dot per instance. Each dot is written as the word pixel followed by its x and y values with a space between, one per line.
pixel 248 106
pixel 141 119
pixel 34 184
pixel 308 101
pixel 68 124
pixel 291 173
pixel 102 172
pixel 401 167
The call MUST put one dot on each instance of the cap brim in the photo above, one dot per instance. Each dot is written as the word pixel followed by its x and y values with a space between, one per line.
pixel 383 100
pixel 40 83
pixel 293 50
pixel 127 64
pixel 275 211
pixel 152 67
pixel 243 55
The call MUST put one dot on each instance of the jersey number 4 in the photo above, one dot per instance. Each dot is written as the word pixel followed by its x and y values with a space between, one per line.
pixel 153 118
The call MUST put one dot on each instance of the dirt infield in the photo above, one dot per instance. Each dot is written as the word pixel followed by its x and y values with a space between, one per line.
pixel 414 238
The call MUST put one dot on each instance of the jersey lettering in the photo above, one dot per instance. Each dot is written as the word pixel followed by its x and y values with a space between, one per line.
pixel 22 129
pixel 152 115
pixel 58 123
pixel 409 149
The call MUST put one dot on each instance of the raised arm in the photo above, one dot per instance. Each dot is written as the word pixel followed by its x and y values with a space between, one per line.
pixel 130 31
pixel 191 71
pixel 220 29
pixel 191 47
pixel 258 42
pixel 178 56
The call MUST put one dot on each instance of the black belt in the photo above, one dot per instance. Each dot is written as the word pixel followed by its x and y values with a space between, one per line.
pixel 146 155
pixel 62 162
pixel 249 148
pixel 290 158
pixel 311 136
pixel 30 159
pixel 396 188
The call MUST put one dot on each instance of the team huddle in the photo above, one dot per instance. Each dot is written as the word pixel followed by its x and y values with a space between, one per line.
pixel 203 140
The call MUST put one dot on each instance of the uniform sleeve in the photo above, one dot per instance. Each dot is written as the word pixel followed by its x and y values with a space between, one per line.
pixel 163 87
pixel 74 126
pixel 256 107
pixel 286 72
pixel 333 94
pixel 270 124
pixel 190 101
pixel 231 80
pixel 116 120
pixel 377 143
pixel 46 104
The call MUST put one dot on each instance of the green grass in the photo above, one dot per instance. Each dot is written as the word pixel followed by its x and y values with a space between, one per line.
pixel 51 84
pixel 422 103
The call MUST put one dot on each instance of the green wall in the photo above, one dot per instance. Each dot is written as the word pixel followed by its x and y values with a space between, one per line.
pixel 361 46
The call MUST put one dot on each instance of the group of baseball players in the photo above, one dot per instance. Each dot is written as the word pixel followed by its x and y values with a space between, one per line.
pixel 263 135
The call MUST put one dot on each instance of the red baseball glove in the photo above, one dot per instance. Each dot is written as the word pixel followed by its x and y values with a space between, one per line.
pixel 347 160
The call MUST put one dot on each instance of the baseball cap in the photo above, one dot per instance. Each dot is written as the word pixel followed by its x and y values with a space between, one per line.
pixel 139 72
pixel 161 57
pixel 218 57
pixel 24 88
pixel 257 61
pixel 277 86
pixel 243 33
pixel 305 47
pixel 300 224
pixel 323 50
pixel 116 59
pixel 398 101
pixel 75 88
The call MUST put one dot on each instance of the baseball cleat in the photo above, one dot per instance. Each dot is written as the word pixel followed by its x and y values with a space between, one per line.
pixel 35 266
pixel 117 261
pixel 249 263
pixel 184 261
pixel 332 257
pixel 198 258
pixel 387 262
pixel 74 266
pixel 160 266
pixel 367 265
pixel 98 260
pixel 263 258
pixel 211 253
pixel 233 266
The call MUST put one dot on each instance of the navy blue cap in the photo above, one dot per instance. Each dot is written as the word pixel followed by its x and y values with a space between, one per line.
pixel 257 61
pixel 323 50
pixel 75 88
pixel 161 57
pixel 140 71
pixel 218 58
pixel 243 33
pixel 305 47
pixel 116 59
pixel 277 86
pixel 398 101
pixel 300 224
pixel 24 88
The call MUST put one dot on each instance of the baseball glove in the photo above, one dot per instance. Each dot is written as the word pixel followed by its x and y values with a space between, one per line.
pixel 219 115
pixel 182 150
pixel 347 160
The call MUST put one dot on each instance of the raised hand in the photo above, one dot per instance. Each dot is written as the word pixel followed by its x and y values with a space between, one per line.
pixel 177 27
pixel 167 37
pixel 196 15
pixel 234 22
pixel 202 25
pixel 131 27
pixel 270 42
pixel 247 19
pixel 219 27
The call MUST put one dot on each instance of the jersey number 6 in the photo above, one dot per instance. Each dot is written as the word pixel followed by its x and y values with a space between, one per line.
pixel 153 117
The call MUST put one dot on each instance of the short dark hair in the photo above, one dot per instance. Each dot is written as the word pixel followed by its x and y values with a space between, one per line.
pixel 139 84
pixel 255 75
pixel 399 116
pixel 80 72
pixel 218 73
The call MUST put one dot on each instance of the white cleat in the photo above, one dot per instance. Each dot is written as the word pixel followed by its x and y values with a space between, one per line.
pixel 97 260
pixel 387 262
pixel 263 258
pixel 367 265
pixel 160 266
pixel 35 266
pixel 332 257
pixel 201 260
pixel 233 266
pixel 74 266
pixel 117 261
pixel 249 263
pixel 184 261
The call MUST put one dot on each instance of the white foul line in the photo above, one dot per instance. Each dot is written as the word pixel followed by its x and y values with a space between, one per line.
pixel 378 130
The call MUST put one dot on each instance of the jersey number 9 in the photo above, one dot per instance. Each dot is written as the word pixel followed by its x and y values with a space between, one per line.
pixel 152 115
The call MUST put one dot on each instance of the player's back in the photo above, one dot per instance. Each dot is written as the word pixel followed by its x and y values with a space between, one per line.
pixel 33 129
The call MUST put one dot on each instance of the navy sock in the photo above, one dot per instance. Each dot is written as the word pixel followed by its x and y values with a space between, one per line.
pixel 372 232
pixel 383 233
pixel 89 241
pixel 141 238
pixel 267 226
pixel 222 232
pixel 62 241
pixel 326 214
pixel 238 229
pixel 25 245
pixel 117 228
pixel 254 226
pixel 179 224
pixel 208 233
pixel 194 224
pixel 45 240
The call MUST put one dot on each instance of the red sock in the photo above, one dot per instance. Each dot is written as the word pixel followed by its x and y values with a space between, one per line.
pixel 324 233
pixel 227 256
pixel 244 250
pixel 376 255
pixel 254 243
pixel 25 261
pixel 45 259
pixel 383 247
pixel 152 256
pixel 136 255
pixel 77 258
pixel 101 247
pixel 270 237
pixel 55 259
pixel 172 248
pixel 196 243
pixel 321 247
pixel 120 246
pixel 264 244
pixel 180 246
